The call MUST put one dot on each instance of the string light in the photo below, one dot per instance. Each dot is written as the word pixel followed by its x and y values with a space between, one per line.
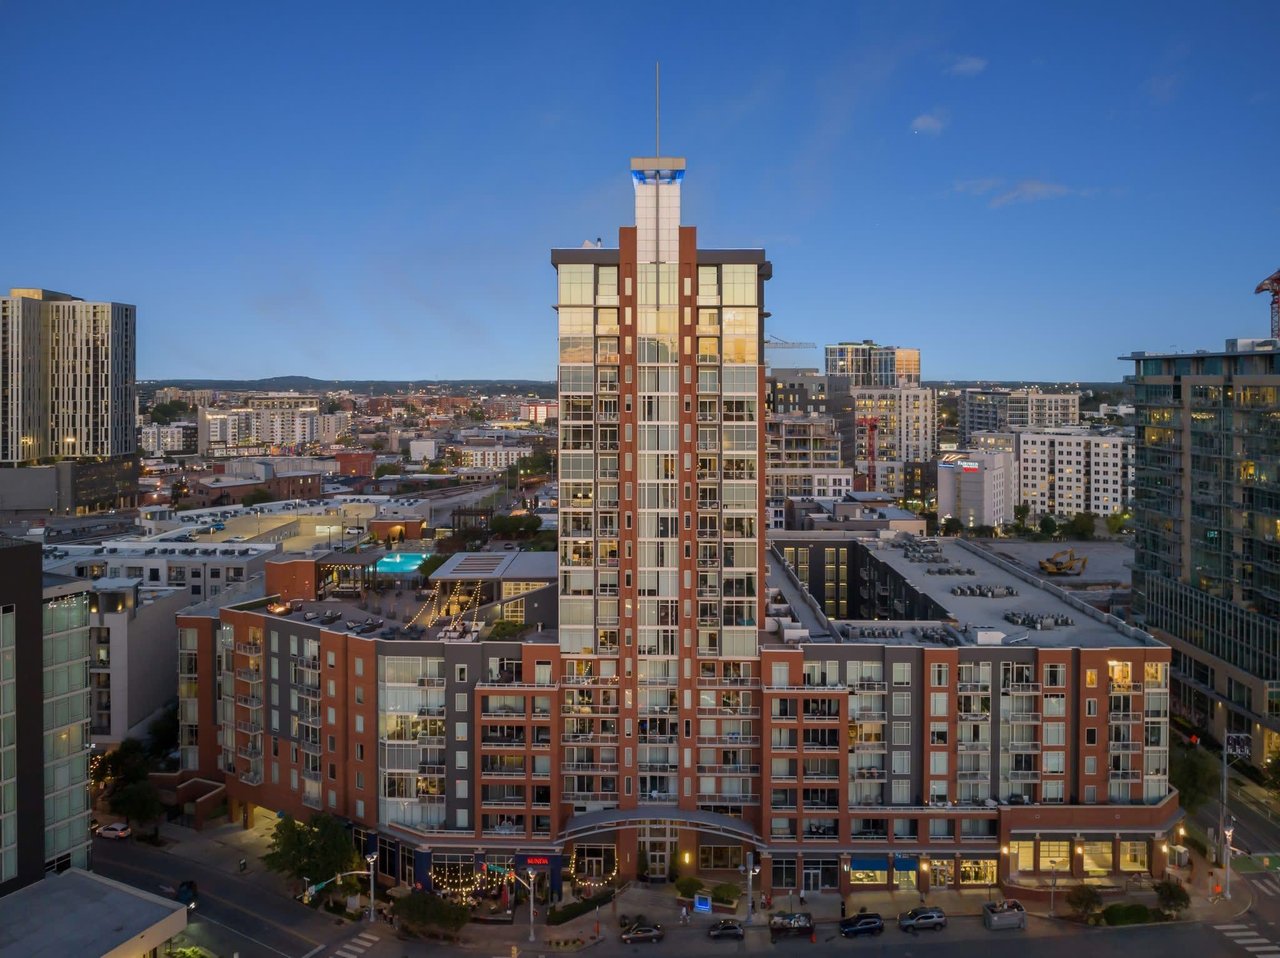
pixel 464 879
pixel 588 882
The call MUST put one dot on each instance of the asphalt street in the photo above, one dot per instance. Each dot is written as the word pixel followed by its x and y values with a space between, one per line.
pixel 234 915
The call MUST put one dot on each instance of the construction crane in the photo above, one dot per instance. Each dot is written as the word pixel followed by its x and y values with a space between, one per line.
pixel 774 342
pixel 871 424
pixel 1272 285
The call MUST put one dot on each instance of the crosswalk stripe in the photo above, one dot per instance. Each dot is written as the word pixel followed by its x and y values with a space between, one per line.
pixel 372 939
pixel 1266 947
pixel 1247 933
pixel 1246 942
pixel 343 953
pixel 1228 927
pixel 1265 888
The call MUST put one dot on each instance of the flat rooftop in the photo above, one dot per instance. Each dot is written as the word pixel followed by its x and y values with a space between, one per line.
pixel 1109 563
pixel 80 913
pixel 498 566
pixel 990 602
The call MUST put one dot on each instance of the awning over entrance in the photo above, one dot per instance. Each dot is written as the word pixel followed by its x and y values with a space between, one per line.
pixel 611 819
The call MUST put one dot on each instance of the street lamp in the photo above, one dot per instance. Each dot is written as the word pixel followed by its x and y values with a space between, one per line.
pixel 532 875
pixel 1226 859
pixel 1053 885
pixel 752 869
pixel 371 858
pixel 924 872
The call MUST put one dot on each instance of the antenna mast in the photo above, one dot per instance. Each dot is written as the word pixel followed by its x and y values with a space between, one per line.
pixel 657 108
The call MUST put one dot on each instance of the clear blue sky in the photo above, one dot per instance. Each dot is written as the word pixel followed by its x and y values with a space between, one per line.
pixel 1023 190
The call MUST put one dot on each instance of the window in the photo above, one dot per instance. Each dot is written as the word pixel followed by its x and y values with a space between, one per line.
pixel 1052 792
pixel 938 674
pixel 901 763
pixel 1091 736
pixel 332 688
pixel 1090 794
pixel 901 673
pixel 1055 763
pixel 333 771
pixel 937 763
pixel 359 808
pixel 784 874
pixel 359 668
pixel 1055 704
pixel 333 743
pixel 331 658
pixel 1055 675
pixel 1091 765
pixel 938 733
pixel 460 788
pixel 901 791
pixel 1091 707
pixel 1055 733
pixel 359 723
pixel 331 715
pixel 460 701
pixel 460 759
pixel 460 674
pixel 460 731
pixel 901 733
pixel 937 704
pixel 333 799
pixel 1091 678
pixel 901 703
pixel 359 695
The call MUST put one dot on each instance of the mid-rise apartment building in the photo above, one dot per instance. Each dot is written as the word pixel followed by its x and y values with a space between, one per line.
pixel 1206 576
pixel 870 364
pixel 906 431
pixel 492 456
pixel 803 460
pixel 44 712
pixel 70 369
pixel 178 438
pixel 1062 472
pixel 249 431
pixel 998 410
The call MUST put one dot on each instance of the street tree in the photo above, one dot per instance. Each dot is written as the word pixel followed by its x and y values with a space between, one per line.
pixel 1172 897
pixel 315 850
pixel 1194 773
pixel 137 802
pixel 1084 900
pixel 1048 526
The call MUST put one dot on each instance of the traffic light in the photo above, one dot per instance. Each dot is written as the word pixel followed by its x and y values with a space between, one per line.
pixel 515 952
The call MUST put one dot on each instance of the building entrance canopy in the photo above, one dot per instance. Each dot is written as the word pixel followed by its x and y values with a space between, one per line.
pixel 612 819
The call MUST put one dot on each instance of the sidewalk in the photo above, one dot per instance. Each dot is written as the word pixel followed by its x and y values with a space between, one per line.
pixel 224 847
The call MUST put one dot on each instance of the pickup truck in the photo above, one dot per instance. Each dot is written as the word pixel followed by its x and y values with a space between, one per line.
pixel 1004 914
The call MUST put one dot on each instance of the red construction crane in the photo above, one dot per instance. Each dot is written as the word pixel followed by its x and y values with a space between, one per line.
pixel 871 424
pixel 1272 285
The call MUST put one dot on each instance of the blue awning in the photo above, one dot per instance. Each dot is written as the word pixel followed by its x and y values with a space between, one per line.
pixel 869 863
pixel 904 863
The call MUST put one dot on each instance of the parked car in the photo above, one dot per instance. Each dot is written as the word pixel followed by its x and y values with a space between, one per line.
pixel 639 933
pixel 1004 914
pixel 864 923
pixel 922 919
pixel 627 922
pixel 726 928
pixel 115 830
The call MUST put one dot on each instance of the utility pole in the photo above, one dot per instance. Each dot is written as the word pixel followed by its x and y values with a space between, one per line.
pixel 752 870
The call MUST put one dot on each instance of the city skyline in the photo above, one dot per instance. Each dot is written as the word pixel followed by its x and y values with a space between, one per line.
pixel 935 179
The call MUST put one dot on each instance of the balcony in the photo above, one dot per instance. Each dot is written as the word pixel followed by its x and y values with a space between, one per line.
pixel 870 774
pixel 973 688
pixel 593 768
pixel 870 685
pixel 1124 747
pixel 311 801
pixel 249 648
pixel 1125 688
pixel 249 728
pixel 308 662
pixel 1022 688
pixel 973 746
pixel 708 533
pixel 1022 746
pixel 973 716
pixel 587 738
pixel 251 777
pixel 1024 718
pixel 973 774
pixel 311 748
pixel 732 711
pixel 724 769
pixel 311 774
pixel 594 797
pixel 310 719
pixel 737 681
pixel 1125 775
pixel 866 746
pixel 730 738
pixel 727 798
pixel 1024 775
pixel 249 751
pixel 588 708
pixel 1125 718
pixel 249 701
pixel 869 715
pixel 252 676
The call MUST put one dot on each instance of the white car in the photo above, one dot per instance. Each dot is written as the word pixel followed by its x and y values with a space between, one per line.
pixel 115 830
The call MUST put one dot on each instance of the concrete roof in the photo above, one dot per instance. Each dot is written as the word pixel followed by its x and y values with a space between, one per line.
pixel 80 913
pixel 497 566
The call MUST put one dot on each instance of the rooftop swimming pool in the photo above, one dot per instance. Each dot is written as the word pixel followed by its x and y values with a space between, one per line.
pixel 401 563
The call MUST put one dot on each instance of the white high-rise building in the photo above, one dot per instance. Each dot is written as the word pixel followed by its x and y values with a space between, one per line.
pixel 977 488
pixel 994 410
pixel 70 371
pixel 1065 471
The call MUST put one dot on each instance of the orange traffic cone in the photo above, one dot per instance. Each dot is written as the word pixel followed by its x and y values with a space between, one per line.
pixel 813 936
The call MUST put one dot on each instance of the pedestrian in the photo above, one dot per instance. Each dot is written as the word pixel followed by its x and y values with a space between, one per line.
pixel 801 897
pixel 841 907
pixel 684 914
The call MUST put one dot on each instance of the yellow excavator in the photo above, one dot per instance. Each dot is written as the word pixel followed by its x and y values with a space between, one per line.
pixel 1065 562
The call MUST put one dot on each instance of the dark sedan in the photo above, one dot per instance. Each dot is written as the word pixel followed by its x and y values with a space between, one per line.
pixel 726 928
pixel 865 923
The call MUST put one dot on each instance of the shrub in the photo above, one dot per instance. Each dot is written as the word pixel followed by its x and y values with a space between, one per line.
pixel 688 886
pixel 1126 913
pixel 726 893
pixel 423 912
pixel 1084 900
pixel 558 916
pixel 1173 898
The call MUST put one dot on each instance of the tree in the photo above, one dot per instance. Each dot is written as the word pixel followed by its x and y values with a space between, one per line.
pixel 951 526
pixel 124 765
pixel 422 913
pixel 1020 514
pixel 137 802
pixel 688 886
pixel 1172 897
pixel 387 469
pixel 316 850
pixel 166 412
pixel 1081 526
pixel 257 497
pixel 1084 900
pixel 1194 773
pixel 1048 526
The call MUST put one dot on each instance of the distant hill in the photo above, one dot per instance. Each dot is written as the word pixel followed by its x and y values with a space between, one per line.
pixel 378 387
